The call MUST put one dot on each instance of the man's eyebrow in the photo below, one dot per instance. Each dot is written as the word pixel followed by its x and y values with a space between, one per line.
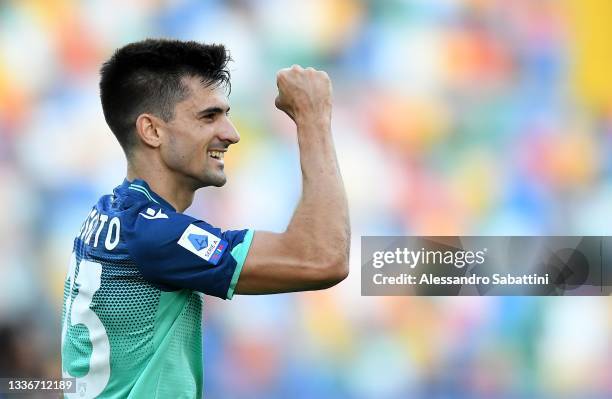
pixel 213 110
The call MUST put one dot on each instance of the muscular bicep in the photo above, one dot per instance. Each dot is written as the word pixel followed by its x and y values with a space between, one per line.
pixel 280 263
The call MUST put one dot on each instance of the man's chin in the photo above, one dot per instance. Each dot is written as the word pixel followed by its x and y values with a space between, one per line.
pixel 219 183
pixel 214 181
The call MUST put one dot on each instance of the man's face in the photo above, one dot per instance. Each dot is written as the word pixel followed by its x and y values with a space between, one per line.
pixel 199 135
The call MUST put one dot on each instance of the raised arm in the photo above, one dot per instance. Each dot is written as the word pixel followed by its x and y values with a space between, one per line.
pixel 313 251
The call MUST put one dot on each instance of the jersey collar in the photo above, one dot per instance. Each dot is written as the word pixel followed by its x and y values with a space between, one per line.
pixel 140 187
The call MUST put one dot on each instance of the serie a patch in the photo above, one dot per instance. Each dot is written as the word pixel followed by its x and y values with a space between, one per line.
pixel 203 243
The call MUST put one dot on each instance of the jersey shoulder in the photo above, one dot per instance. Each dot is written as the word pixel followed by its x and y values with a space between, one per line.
pixel 170 249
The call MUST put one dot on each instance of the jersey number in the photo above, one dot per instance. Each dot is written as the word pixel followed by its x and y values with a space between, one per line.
pixel 79 312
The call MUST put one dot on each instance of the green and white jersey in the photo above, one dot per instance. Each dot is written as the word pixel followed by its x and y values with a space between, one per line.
pixel 132 311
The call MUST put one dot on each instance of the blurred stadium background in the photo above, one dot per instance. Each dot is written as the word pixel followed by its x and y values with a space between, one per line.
pixel 451 117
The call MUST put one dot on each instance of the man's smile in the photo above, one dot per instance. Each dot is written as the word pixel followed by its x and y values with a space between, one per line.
pixel 217 155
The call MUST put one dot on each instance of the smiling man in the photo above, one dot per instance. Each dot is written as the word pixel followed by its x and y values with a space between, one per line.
pixel 132 303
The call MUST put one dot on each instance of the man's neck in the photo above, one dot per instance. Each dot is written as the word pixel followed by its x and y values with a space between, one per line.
pixel 179 195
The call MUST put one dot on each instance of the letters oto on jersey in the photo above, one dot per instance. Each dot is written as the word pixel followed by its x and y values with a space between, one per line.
pixel 96 222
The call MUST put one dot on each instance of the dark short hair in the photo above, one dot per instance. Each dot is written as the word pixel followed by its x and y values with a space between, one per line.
pixel 146 77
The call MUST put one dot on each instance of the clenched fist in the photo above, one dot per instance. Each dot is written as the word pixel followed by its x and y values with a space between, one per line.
pixel 304 94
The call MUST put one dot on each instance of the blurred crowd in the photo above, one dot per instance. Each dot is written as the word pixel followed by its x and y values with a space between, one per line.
pixel 473 117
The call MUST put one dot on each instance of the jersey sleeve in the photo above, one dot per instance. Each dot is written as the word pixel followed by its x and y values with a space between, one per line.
pixel 173 251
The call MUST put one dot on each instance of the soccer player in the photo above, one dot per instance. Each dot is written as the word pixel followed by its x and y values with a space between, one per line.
pixel 132 303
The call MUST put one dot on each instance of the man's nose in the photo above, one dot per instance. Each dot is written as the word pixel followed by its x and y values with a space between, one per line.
pixel 229 133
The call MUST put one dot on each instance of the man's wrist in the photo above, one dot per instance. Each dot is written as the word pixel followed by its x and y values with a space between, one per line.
pixel 313 122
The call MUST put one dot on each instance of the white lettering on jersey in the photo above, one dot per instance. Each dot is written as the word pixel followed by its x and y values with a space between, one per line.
pixel 80 312
pixel 199 241
pixel 92 228
pixel 113 233
pixel 95 223
pixel 88 223
pixel 103 219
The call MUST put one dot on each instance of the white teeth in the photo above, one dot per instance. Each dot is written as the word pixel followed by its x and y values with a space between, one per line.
pixel 216 154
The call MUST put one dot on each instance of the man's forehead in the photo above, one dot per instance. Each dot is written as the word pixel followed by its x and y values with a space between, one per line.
pixel 202 96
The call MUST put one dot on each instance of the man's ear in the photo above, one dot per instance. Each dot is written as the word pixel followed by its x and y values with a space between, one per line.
pixel 147 128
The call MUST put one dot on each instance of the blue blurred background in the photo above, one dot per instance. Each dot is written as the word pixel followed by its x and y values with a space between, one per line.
pixel 451 117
